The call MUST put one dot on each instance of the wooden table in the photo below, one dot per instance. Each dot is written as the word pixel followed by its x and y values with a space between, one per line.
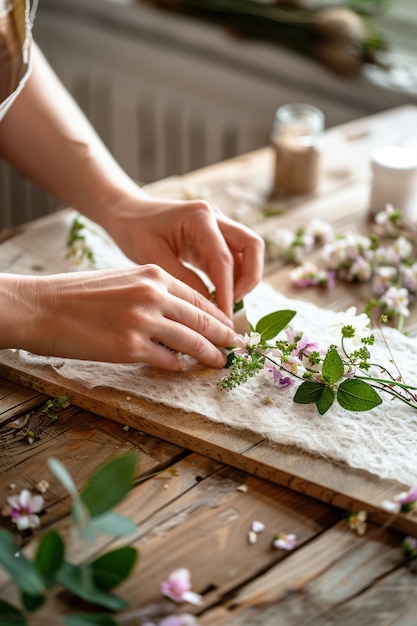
pixel 200 518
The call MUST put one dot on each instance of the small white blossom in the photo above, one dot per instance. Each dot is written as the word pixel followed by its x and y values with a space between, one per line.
pixel 396 300
pixel 360 324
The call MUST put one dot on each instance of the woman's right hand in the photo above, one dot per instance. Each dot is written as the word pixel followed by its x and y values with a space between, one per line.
pixel 122 315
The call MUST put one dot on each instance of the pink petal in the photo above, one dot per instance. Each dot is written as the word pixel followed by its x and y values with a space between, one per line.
pixel 36 504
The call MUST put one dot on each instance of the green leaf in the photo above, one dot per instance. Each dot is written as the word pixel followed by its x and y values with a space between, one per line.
pixel 80 582
pixel 89 619
pixel 64 477
pixel 113 524
pixel 112 568
pixel 110 484
pixel 357 395
pixel 238 306
pixel 332 368
pixel 31 603
pixel 308 392
pixel 19 568
pixel 50 553
pixel 10 615
pixel 325 401
pixel 272 324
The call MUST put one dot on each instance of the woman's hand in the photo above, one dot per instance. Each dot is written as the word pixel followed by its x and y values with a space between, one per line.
pixel 126 315
pixel 172 232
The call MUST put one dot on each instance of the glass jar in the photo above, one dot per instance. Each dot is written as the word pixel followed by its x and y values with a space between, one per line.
pixel 295 138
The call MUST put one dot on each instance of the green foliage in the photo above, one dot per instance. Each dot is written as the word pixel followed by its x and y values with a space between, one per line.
pixel 241 369
pixel 119 473
pixel 309 392
pixel 90 581
pixel 111 569
pixel 336 376
pixel 273 323
pixel 332 368
pixel 80 582
pixel 10 615
pixel 357 395
pixel 77 247
pixel 18 566
pixel 50 553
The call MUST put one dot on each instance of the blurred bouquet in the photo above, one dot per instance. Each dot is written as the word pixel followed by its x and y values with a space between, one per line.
pixel 341 35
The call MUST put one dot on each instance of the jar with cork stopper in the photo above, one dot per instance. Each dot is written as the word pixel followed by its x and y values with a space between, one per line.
pixel 296 141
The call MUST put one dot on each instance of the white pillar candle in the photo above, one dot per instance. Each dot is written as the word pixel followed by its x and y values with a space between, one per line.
pixel 394 180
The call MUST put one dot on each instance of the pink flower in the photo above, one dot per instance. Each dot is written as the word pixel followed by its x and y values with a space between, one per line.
pixel 403 503
pixel 285 542
pixel 24 508
pixel 178 587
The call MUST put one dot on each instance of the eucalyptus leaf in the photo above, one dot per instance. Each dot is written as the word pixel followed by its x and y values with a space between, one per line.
pixel 357 395
pixel 308 392
pixel 64 477
pixel 112 568
pixel 110 484
pixel 332 369
pixel 272 324
pixel 19 568
pixel 50 553
pixel 113 524
pixel 89 619
pixel 80 582
pixel 11 616
pixel 326 400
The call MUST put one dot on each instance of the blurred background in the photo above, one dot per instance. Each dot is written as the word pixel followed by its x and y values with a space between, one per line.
pixel 174 85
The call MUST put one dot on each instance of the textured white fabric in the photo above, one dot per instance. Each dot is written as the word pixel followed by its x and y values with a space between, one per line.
pixel 382 441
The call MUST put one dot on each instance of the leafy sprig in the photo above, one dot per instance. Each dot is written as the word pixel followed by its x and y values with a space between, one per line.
pixel 50 568
pixel 335 374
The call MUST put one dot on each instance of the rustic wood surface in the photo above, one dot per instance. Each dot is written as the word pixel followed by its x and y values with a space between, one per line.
pixel 200 518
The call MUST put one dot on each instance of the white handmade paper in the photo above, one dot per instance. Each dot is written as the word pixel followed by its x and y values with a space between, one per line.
pixel 382 441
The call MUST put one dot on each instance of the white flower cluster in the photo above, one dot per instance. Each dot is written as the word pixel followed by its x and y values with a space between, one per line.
pixel 386 259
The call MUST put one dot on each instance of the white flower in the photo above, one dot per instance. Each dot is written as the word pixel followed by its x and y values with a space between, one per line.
pixel 24 508
pixel 360 324
pixel 320 230
pixel 402 247
pixel 396 300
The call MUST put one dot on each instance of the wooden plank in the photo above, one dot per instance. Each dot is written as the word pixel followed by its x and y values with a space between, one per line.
pixel 311 584
pixel 196 523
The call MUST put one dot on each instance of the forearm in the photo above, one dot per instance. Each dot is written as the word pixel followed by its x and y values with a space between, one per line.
pixel 49 140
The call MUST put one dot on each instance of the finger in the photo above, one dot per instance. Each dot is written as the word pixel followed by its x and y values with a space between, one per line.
pixel 183 339
pixel 248 250
pixel 189 304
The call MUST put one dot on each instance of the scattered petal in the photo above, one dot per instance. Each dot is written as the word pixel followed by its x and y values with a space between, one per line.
pixel 257 527
pixel 242 488
pixel 285 542
pixel 178 587
pixel 252 537
pixel 42 486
